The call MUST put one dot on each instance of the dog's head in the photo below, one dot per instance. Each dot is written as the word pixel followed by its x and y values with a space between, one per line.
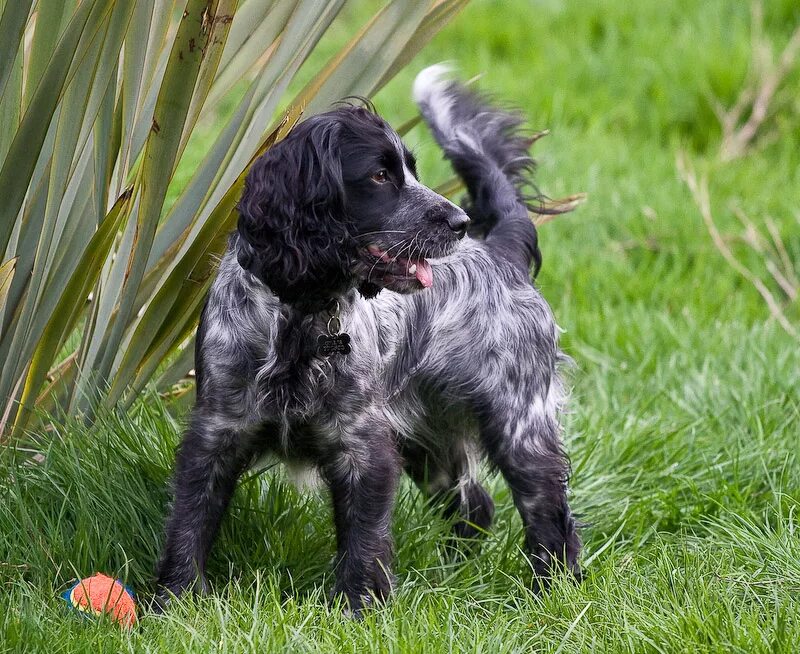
pixel 337 204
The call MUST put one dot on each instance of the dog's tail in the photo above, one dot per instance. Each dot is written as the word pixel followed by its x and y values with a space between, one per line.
pixel 489 152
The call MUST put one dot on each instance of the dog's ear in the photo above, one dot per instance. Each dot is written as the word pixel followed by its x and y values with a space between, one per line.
pixel 293 232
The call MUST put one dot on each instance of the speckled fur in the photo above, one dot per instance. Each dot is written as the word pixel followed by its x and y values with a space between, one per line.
pixel 436 380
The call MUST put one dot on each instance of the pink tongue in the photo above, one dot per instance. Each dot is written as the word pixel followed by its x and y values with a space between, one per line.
pixel 424 273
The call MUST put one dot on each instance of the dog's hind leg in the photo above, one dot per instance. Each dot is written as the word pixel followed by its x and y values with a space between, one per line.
pixel 210 459
pixel 451 481
pixel 522 441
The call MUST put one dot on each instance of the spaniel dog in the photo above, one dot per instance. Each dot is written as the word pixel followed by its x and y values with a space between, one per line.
pixel 364 325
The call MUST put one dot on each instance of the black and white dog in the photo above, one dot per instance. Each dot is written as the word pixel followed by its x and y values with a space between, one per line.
pixel 355 327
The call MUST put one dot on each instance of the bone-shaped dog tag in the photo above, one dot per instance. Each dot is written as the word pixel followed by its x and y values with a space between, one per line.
pixel 330 344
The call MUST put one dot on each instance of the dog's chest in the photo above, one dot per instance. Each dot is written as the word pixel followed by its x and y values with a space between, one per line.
pixel 301 377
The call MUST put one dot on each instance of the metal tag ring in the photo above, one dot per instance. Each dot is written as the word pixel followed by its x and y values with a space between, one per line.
pixel 334 325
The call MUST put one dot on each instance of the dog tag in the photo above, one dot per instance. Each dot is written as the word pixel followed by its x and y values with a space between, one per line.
pixel 330 344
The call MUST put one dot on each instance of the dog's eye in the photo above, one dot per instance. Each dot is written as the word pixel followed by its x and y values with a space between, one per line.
pixel 382 176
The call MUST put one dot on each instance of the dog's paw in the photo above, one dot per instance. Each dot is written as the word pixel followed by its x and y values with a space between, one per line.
pixel 158 604
pixel 353 605
pixel 547 565
pixel 362 595
pixel 167 593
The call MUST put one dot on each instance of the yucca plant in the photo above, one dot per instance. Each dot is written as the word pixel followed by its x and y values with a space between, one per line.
pixel 101 282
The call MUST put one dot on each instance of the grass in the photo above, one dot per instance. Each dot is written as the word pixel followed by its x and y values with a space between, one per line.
pixel 683 426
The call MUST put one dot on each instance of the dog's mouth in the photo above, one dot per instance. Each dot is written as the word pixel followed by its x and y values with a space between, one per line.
pixel 388 268
pixel 403 271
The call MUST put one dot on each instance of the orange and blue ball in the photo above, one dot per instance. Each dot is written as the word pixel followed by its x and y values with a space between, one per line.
pixel 101 595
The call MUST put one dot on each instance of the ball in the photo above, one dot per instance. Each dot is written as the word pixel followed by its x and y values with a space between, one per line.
pixel 100 594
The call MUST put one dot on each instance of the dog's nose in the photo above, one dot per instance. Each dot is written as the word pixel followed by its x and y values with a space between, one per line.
pixel 457 220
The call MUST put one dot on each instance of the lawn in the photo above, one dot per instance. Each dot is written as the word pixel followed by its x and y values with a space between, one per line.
pixel 684 422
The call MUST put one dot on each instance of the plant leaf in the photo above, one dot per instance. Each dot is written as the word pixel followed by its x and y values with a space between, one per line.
pixel 6 275
pixel 442 12
pixel 21 158
pixel 69 307
pixel 159 157
pixel 12 28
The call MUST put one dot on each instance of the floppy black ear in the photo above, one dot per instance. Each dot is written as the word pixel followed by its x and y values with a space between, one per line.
pixel 293 232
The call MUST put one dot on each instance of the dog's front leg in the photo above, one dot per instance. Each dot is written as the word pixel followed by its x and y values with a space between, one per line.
pixel 209 461
pixel 363 480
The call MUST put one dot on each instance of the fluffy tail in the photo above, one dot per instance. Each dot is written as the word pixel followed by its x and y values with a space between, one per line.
pixel 489 152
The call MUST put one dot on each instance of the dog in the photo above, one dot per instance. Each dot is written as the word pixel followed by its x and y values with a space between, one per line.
pixel 364 325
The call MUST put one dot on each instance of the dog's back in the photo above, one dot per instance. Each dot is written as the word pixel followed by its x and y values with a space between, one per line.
pixel 489 152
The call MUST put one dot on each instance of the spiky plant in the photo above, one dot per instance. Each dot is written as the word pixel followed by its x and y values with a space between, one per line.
pixel 101 278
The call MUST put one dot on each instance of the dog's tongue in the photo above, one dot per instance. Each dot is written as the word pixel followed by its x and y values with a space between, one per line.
pixel 424 272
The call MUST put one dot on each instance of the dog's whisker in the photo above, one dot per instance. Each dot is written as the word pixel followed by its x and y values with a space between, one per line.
pixel 371 270
pixel 406 247
pixel 381 231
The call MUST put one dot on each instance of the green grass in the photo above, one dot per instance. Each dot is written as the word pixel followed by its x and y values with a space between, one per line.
pixel 683 426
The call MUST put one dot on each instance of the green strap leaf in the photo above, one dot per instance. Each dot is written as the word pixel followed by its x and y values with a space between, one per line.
pixel 68 310
pixel 359 66
pixel 69 183
pixel 234 146
pixel 50 18
pixel 179 367
pixel 218 26
pixel 21 159
pixel 262 31
pixel 442 12
pixel 12 28
pixel 160 154
pixel 6 275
